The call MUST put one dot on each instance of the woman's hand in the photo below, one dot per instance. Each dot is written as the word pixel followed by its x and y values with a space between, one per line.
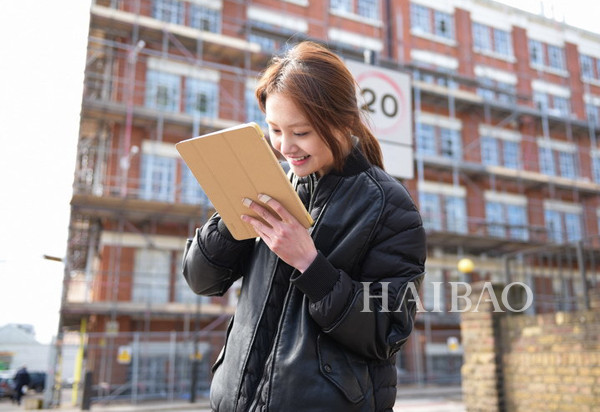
pixel 284 235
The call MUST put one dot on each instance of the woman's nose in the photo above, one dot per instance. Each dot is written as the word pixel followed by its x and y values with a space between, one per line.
pixel 287 143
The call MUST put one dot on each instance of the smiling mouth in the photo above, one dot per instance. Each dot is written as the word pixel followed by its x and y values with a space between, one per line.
pixel 298 159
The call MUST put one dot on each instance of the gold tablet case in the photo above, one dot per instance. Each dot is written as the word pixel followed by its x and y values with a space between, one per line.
pixel 235 163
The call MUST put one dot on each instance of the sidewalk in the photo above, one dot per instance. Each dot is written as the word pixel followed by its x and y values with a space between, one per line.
pixel 409 399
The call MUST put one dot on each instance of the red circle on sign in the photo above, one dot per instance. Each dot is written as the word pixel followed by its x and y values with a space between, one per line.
pixel 386 79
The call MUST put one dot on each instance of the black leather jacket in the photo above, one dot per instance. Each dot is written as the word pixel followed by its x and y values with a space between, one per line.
pixel 313 341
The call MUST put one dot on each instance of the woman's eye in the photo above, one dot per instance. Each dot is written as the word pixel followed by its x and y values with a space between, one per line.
pixel 301 134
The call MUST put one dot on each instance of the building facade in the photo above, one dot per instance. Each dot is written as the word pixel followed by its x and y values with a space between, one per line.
pixel 506 115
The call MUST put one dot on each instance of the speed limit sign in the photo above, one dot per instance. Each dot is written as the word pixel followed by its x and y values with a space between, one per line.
pixel 385 96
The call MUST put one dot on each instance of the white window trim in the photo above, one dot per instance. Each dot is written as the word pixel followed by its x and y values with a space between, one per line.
pixel 277 19
pixel 181 69
pixel 562 207
pixel 112 238
pixel 418 32
pixel 356 17
pixel 550 88
pixel 353 39
pixel 303 3
pixel 442 189
pixel 591 99
pixel 505 198
pixel 495 74
pixel 211 4
pixel 444 6
pixel 485 130
pixel 435 59
pixel 439 121
pixel 151 147
pixel 556 145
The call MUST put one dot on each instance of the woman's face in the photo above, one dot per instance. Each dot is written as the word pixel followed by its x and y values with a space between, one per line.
pixel 293 136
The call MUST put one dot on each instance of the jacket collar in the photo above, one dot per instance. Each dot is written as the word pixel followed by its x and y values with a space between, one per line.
pixel 355 163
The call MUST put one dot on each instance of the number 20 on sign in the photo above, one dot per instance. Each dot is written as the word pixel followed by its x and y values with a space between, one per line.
pixel 385 97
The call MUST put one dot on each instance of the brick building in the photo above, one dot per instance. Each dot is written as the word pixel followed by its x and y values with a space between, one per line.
pixel 506 112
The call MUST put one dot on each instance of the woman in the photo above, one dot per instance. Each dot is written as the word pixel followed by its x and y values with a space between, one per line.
pixel 311 331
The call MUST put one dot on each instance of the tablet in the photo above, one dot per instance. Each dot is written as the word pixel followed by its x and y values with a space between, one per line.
pixel 235 163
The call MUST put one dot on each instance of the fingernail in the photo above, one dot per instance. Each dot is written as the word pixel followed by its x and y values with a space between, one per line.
pixel 264 198
pixel 247 202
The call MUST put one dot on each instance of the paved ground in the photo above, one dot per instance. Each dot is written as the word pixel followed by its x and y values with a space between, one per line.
pixel 410 399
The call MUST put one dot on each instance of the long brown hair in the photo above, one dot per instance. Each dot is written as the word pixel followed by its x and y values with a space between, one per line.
pixel 323 88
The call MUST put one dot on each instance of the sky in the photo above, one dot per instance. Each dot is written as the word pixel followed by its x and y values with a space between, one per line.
pixel 42 61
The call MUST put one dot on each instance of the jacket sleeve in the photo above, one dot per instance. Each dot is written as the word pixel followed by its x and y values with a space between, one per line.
pixel 213 259
pixel 373 315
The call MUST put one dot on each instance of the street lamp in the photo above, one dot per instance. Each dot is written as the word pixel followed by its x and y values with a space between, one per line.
pixel 465 265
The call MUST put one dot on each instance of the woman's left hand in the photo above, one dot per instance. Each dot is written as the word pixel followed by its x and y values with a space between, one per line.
pixel 284 235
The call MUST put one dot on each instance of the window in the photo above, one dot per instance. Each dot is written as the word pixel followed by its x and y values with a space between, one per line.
pixel 426 139
pixel 561 105
pixel 267 45
pixel 441 79
pixel 369 9
pixel 490 153
pixel 547 56
pixel 455 211
pixel 573 227
pixel 536 53
pixel 151 275
pixel 552 104
pixel 541 101
pixel 157 178
pixel 506 220
pixel 443 209
pixel 494 216
pixel 450 143
pixel 500 152
pixel 419 18
pixel 496 91
pixel 592 113
pixel 587 67
pixel 201 97
pixel 191 191
pixel 429 138
pixel 430 21
pixel 443 25
pixel 163 91
pixel 511 154
pixel 205 18
pixel 553 226
pixel 566 163
pixel 596 167
pixel 364 8
pixel 590 67
pixel 429 204
pixel 547 161
pixel 341 5
pixel 517 220
pixel 563 226
pixel 481 37
pixel 558 161
pixel 492 40
pixel 170 11
pixel 253 112
pixel 556 57
pixel 502 42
